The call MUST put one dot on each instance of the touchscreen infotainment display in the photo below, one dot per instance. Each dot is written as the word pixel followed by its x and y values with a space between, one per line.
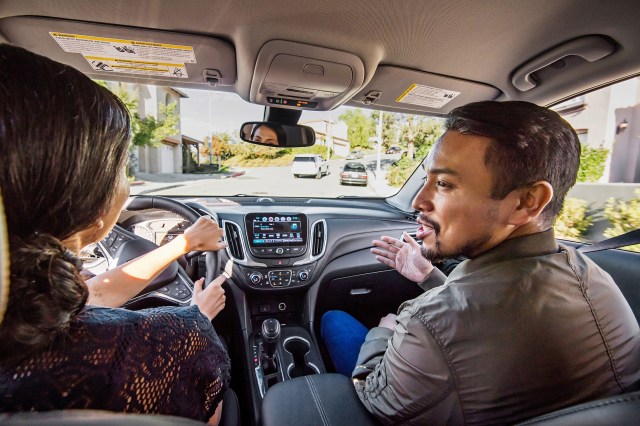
pixel 276 229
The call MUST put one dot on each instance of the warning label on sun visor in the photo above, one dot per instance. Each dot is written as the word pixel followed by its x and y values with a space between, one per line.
pixel 164 69
pixel 129 49
pixel 427 96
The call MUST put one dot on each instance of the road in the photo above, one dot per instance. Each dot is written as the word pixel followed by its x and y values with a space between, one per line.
pixel 278 181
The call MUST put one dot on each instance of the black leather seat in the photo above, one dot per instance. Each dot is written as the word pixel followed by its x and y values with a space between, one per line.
pixel 329 399
pixel 230 417
pixel 616 410
pixel 315 400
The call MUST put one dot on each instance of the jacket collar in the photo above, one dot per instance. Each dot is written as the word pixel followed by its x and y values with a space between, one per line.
pixel 538 244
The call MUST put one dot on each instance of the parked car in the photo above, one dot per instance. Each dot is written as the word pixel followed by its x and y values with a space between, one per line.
pixel 355 155
pixel 309 165
pixel 414 57
pixel 393 150
pixel 354 173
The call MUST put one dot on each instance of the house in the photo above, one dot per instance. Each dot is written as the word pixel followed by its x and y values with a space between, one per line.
pixel 168 157
pixel 331 134
pixel 610 118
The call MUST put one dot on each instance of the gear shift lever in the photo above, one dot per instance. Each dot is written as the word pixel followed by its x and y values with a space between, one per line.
pixel 270 337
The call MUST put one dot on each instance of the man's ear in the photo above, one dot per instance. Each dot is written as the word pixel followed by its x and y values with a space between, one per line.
pixel 531 200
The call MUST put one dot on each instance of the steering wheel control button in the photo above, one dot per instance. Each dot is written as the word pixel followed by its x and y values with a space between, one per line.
pixel 281 278
pixel 176 290
pixel 111 237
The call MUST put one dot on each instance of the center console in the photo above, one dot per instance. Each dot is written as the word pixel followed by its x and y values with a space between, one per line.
pixel 282 352
pixel 274 257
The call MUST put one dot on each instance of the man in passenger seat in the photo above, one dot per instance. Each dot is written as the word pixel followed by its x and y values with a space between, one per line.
pixel 525 325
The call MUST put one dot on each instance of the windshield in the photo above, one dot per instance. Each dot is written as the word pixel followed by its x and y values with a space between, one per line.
pixel 351 167
pixel 186 142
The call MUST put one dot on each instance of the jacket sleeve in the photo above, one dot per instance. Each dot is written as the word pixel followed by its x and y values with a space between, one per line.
pixel 435 279
pixel 411 380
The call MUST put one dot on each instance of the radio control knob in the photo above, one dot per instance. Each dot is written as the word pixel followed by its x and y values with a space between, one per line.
pixel 279 250
pixel 255 278
pixel 303 275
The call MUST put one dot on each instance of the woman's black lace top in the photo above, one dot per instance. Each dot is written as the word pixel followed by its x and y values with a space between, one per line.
pixel 164 360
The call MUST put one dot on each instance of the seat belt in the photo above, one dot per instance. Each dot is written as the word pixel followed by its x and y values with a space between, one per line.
pixel 626 239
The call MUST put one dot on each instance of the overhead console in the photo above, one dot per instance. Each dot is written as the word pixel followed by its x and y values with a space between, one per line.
pixel 136 55
pixel 300 76
pixel 400 89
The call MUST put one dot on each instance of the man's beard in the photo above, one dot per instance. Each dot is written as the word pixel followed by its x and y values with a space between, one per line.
pixel 436 254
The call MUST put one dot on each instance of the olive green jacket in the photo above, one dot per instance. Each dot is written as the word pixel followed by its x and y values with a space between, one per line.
pixel 526 328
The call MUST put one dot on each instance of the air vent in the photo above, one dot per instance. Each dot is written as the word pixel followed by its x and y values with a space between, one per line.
pixel 318 235
pixel 284 200
pixel 232 234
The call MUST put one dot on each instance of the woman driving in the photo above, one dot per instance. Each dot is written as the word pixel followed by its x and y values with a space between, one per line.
pixel 64 344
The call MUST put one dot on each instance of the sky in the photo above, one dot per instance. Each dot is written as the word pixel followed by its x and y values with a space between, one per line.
pixel 205 111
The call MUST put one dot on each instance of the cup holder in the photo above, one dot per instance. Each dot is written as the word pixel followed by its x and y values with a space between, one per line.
pixel 299 348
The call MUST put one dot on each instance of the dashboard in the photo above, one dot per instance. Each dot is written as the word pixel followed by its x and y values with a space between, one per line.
pixel 159 231
pixel 281 251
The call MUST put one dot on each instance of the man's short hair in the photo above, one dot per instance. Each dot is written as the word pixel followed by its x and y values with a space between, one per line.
pixel 529 144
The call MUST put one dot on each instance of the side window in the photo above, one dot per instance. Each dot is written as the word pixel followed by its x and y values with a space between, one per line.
pixel 605 202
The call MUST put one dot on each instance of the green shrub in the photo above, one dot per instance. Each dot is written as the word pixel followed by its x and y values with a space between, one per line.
pixel 400 171
pixel 624 216
pixel 425 133
pixel 592 162
pixel 573 220
pixel 249 151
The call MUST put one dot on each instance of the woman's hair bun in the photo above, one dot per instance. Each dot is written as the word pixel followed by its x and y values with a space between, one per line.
pixel 46 293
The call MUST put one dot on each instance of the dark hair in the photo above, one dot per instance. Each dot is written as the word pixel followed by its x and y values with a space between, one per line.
pixel 529 144
pixel 277 128
pixel 63 143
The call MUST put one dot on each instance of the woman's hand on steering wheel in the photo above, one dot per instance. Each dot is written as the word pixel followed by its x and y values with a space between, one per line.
pixel 210 300
pixel 203 235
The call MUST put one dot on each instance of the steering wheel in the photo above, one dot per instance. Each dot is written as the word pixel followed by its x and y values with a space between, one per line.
pixel 139 246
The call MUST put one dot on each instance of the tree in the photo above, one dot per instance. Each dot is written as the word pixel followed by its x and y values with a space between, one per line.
pixel 359 127
pixel 219 146
pixel 390 128
pixel 420 133
pixel 148 131
pixel 151 131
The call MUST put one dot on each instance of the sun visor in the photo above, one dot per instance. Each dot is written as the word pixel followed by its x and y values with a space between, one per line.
pixel 135 55
pixel 295 75
pixel 404 90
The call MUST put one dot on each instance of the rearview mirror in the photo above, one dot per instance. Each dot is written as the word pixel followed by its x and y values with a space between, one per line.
pixel 275 134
